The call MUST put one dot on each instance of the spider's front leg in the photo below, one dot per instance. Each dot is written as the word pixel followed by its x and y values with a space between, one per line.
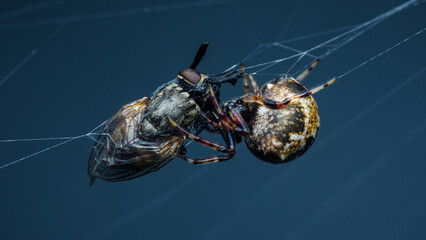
pixel 229 149
pixel 199 139
pixel 258 98
pixel 246 83
pixel 224 124
pixel 232 120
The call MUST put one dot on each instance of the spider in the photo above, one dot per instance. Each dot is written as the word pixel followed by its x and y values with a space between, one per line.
pixel 279 122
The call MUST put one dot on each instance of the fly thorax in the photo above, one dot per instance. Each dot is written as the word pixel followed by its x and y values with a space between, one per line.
pixel 170 103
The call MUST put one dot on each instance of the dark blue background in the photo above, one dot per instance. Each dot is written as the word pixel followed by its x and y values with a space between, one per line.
pixel 364 178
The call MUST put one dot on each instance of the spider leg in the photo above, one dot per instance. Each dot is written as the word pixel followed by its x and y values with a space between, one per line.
pixel 254 84
pixel 212 130
pixel 206 160
pixel 238 119
pixel 211 122
pixel 225 125
pixel 229 154
pixel 307 71
pixel 201 140
pixel 280 104
pixel 225 120
pixel 246 84
pixel 213 127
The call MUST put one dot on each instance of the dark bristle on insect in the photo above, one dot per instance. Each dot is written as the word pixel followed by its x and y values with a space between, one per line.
pixel 279 122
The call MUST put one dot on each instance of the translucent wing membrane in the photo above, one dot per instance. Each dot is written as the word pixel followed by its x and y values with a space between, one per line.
pixel 119 154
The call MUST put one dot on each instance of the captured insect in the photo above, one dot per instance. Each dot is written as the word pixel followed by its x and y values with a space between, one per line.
pixel 139 138
pixel 279 122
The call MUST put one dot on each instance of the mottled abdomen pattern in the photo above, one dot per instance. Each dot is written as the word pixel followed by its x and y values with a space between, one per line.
pixel 284 134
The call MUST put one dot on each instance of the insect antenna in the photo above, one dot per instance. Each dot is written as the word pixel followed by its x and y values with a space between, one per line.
pixel 201 51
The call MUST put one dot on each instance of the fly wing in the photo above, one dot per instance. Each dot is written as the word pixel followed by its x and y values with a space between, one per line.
pixel 120 155
pixel 137 160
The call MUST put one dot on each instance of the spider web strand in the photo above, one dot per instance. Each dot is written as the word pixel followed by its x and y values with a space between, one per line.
pixel 111 14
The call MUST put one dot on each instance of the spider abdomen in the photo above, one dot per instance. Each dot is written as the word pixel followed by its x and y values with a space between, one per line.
pixel 282 135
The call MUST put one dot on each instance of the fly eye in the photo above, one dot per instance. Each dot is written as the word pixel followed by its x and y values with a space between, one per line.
pixel 190 75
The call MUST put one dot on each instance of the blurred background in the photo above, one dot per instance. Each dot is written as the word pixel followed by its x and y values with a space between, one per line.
pixel 68 65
